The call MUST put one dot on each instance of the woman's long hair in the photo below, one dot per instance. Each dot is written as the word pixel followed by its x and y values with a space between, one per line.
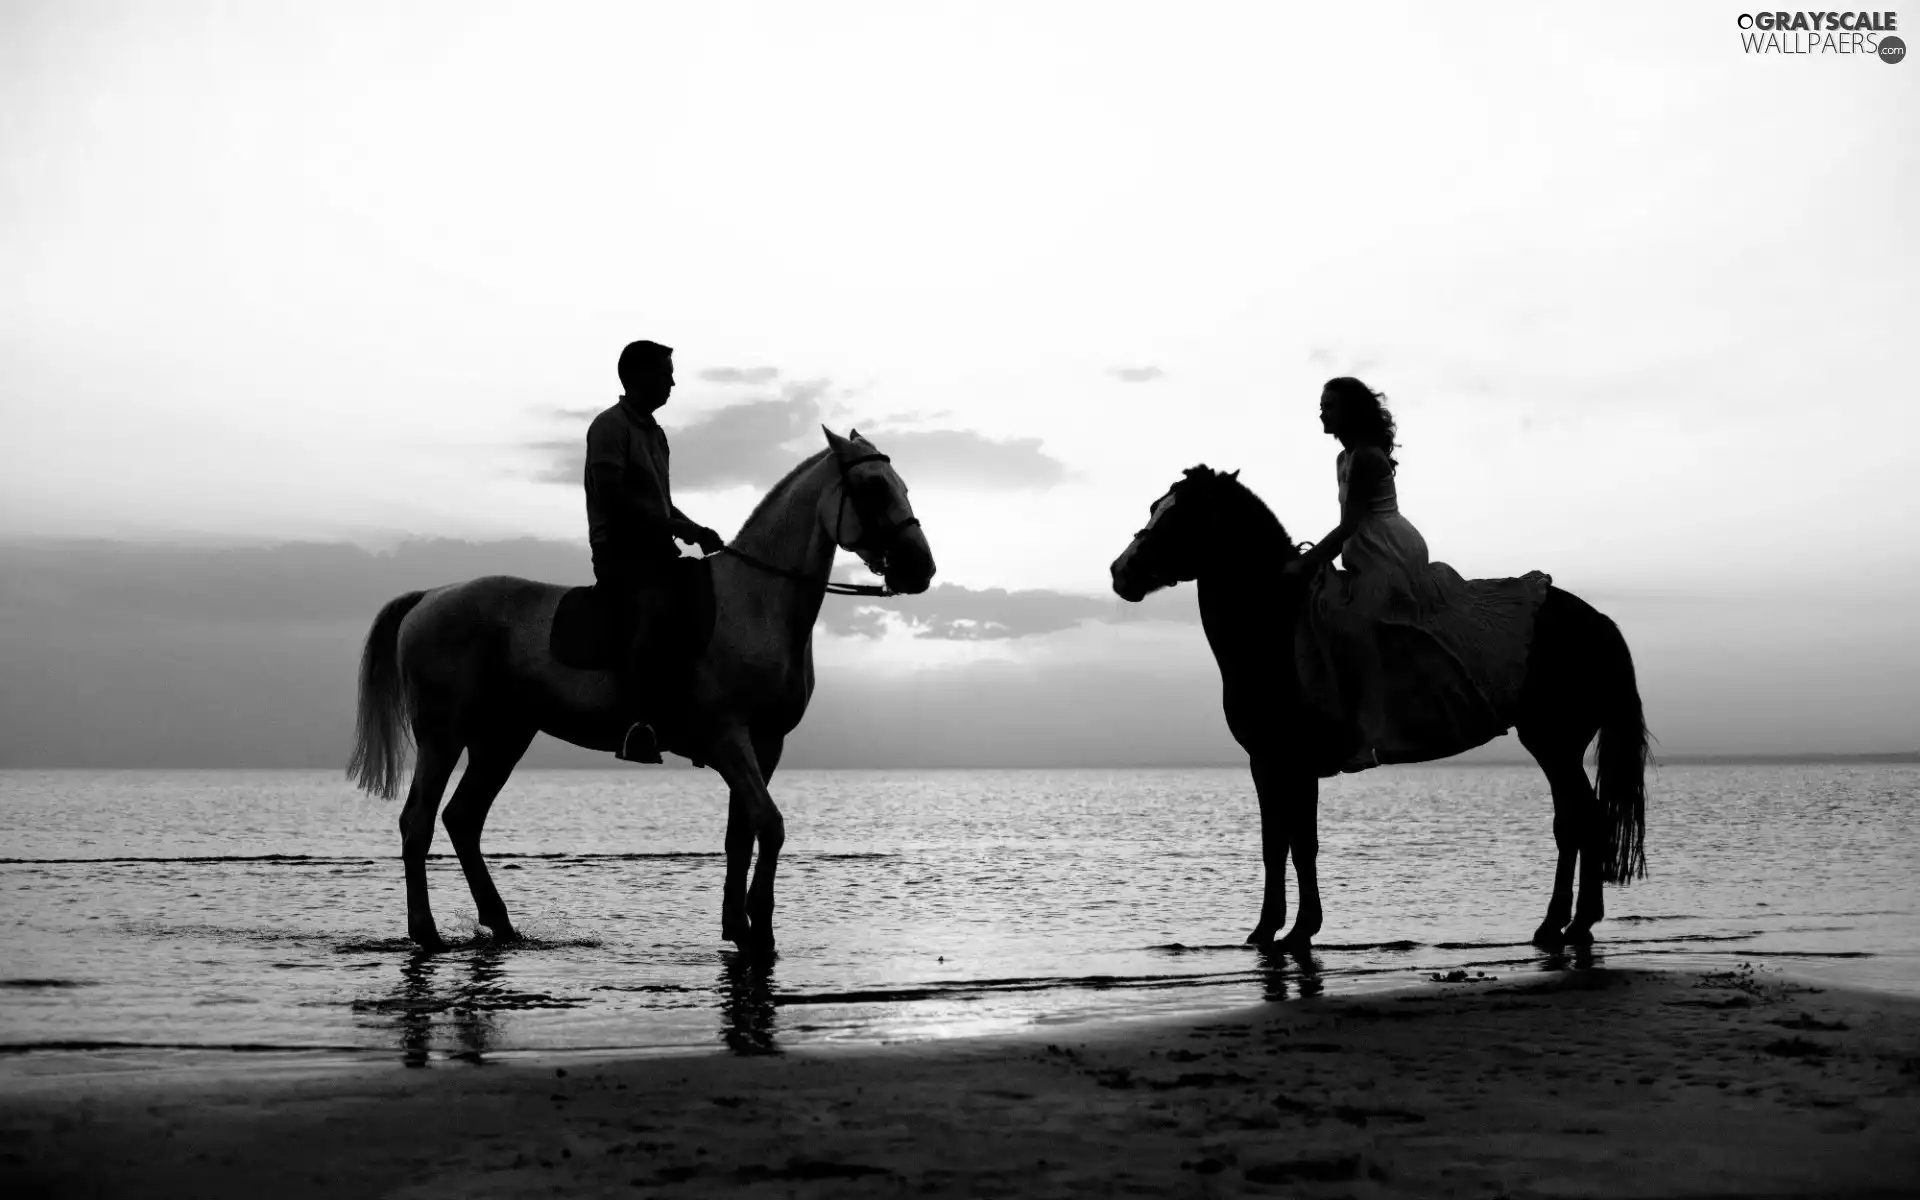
pixel 1362 414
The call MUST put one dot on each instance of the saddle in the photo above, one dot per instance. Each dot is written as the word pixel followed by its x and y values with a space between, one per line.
pixel 585 633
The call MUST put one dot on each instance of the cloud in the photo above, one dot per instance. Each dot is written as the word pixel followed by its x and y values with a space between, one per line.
pixel 1137 374
pixel 753 443
pixel 1344 362
pixel 906 418
pixel 246 656
pixel 955 613
pixel 327 581
pixel 190 656
pixel 561 462
pixel 740 374
pixel 750 443
pixel 963 458
pixel 105 581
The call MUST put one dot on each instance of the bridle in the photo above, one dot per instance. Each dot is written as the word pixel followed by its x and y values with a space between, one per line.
pixel 1299 548
pixel 876 543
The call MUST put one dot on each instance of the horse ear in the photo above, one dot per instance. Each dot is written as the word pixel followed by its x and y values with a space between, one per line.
pixel 835 442
pixel 1233 474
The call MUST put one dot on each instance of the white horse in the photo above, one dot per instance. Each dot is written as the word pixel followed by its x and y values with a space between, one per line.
pixel 470 666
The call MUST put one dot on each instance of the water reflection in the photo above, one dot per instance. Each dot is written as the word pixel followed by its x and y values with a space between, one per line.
pixel 466 991
pixel 745 988
pixel 1288 973
pixel 1570 958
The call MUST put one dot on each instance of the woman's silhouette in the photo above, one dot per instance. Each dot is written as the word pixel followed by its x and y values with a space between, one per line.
pixel 1398 618
pixel 1372 537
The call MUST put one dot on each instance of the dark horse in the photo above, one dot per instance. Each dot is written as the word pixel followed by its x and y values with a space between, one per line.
pixel 1579 682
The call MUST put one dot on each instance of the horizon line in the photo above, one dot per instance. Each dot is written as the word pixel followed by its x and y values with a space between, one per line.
pixel 1811 758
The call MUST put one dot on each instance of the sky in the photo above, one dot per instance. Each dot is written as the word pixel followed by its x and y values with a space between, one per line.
pixel 353 278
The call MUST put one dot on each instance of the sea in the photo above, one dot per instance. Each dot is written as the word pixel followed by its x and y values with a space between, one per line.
pixel 150 918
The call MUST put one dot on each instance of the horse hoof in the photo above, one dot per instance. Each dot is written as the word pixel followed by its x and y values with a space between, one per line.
pixel 758 942
pixel 504 934
pixel 428 943
pixel 1261 936
pixel 1295 943
pixel 1579 935
pixel 1549 937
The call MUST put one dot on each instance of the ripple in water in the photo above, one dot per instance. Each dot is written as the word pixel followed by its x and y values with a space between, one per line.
pixel 263 911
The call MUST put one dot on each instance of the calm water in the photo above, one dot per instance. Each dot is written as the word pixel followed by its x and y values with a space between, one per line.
pixel 265 909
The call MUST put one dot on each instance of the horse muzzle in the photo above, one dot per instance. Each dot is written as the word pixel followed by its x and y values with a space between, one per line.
pixel 1130 582
pixel 909 567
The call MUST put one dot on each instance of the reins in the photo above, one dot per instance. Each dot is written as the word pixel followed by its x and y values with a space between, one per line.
pixel 829 586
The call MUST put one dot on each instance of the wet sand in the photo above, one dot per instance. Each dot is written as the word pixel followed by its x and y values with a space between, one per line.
pixel 1587 1083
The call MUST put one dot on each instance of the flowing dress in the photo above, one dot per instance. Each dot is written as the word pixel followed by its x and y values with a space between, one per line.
pixel 1412 661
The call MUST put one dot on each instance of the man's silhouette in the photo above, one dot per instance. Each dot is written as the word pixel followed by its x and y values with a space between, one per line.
pixel 632 525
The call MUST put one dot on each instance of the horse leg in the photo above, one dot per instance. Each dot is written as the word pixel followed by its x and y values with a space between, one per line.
pixel 767 749
pixel 1592 825
pixel 1575 811
pixel 734 925
pixel 1273 849
pixel 772 835
pixel 1566 840
pixel 433 764
pixel 746 916
pixel 489 762
pixel 1300 791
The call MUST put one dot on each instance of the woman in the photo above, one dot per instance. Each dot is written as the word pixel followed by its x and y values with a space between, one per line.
pixel 1372 536
pixel 1418 650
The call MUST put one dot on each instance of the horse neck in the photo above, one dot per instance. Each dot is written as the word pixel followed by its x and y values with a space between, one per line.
pixel 786 532
pixel 1242 601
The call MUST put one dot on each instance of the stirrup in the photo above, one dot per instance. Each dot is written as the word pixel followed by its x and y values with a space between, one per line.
pixel 640 745
pixel 1364 759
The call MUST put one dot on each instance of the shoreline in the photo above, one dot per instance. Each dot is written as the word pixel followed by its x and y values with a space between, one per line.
pixel 27 1065
pixel 1596 1081
pixel 1809 758
pixel 23 1062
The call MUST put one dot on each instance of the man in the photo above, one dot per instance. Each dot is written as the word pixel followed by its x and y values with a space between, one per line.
pixel 632 525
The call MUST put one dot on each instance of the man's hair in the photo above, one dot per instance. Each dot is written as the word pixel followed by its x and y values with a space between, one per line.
pixel 641 360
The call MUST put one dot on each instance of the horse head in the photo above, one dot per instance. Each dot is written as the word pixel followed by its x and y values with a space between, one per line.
pixel 867 512
pixel 1178 538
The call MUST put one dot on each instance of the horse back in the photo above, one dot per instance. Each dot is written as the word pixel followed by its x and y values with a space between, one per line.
pixel 494 619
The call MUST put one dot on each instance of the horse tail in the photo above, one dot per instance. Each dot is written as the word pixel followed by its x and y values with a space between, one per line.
pixel 380 728
pixel 1620 777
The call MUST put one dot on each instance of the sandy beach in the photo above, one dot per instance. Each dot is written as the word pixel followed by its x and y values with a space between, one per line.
pixel 1584 1083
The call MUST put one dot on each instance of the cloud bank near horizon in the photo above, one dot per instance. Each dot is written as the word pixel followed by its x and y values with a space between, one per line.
pixel 326 581
pixel 123 654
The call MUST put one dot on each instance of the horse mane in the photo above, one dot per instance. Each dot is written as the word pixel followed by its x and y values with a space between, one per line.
pixel 1241 500
pixel 780 489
